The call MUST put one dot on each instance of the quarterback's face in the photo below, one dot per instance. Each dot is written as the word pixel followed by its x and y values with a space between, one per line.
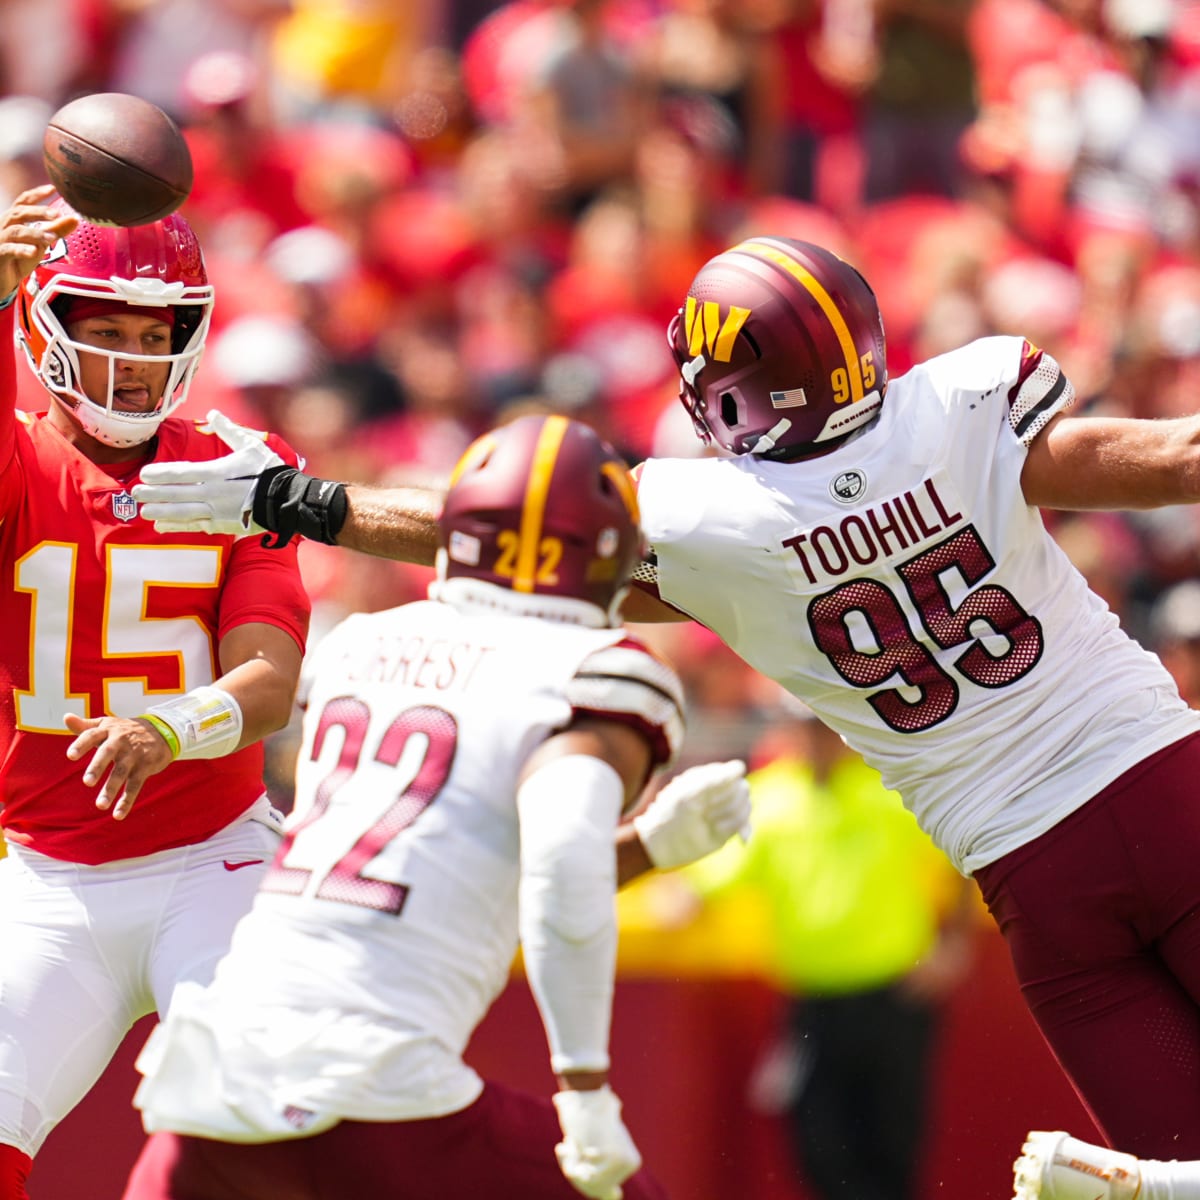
pixel 137 385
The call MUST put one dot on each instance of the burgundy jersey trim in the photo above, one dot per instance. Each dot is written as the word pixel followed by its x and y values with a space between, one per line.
pixel 665 693
pixel 628 683
pixel 1041 391
pixel 662 752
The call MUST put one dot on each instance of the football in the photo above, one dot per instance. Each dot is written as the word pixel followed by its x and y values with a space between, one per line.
pixel 117 159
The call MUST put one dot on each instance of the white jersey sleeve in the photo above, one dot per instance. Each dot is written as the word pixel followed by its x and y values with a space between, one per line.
pixel 627 683
pixel 1040 392
pixel 905 590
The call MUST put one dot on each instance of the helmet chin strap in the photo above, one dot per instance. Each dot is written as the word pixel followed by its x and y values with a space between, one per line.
pixel 108 428
pixel 112 431
pixel 111 426
pixel 767 440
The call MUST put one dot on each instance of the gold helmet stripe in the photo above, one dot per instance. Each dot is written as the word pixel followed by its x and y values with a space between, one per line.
pixel 623 482
pixel 533 512
pixel 812 285
pixel 477 450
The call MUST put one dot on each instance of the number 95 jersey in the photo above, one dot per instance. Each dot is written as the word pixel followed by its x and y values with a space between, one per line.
pixel 387 923
pixel 904 589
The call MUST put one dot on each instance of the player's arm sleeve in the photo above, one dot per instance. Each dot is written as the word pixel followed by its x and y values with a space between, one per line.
pixel 265 586
pixel 568 810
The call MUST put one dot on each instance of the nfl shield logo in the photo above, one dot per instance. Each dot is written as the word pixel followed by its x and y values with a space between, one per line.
pixel 124 506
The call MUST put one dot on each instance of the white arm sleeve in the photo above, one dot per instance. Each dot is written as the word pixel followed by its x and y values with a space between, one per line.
pixel 568 811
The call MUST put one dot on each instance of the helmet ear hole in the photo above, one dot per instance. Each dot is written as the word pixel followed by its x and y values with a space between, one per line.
pixel 729 409
pixel 187 321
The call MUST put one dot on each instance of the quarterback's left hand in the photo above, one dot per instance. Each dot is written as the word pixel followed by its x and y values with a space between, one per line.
pixel 696 813
pixel 208 497
pixel 128 750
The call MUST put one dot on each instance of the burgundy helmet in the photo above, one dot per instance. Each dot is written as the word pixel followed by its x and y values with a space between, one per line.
pixel 150 269
pixel 780 348
pixel 542 505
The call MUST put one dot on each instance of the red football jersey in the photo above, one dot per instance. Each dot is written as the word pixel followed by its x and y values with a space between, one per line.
pixel 102 615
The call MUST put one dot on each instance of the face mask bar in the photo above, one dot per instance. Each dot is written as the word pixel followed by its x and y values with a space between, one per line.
pixel 59 368
pixel 689 397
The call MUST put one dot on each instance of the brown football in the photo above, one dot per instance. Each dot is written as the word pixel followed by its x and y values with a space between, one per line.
pixel 117 159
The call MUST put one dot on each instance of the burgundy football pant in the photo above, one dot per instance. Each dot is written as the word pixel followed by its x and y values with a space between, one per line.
pixel 501 1147
pixel 1102 918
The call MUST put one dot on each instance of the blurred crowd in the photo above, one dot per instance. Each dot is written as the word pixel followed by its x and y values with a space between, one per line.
pixel 420 217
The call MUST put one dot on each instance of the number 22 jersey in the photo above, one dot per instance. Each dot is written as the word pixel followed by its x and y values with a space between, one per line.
pixel 388 921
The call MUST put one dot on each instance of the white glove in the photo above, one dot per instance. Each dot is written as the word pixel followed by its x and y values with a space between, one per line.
pixel 696 813
pixel 208 497
pixel 596 1154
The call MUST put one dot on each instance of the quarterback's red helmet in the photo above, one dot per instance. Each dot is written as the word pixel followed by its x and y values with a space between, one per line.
pixel 542 505
pixel 780 348
pixel 150 268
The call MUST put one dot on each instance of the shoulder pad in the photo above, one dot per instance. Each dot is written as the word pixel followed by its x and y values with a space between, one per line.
pixel 626 682
pixel 1040 392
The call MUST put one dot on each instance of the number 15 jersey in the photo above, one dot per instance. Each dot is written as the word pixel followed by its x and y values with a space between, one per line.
pixel 102 615
pixel 903 588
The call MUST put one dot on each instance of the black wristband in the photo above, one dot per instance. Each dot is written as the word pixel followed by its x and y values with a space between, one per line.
pixel 288 502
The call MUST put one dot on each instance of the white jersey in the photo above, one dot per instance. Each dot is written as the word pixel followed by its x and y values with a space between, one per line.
pixel 902 587
pixel 388 922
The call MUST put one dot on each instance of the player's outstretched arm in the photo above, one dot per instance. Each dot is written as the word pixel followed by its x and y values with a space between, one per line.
pixel 395 522
pixel 252 491
pixel 1112 463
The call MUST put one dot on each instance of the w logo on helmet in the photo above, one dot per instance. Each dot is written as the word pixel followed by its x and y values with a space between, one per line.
pixel 706 331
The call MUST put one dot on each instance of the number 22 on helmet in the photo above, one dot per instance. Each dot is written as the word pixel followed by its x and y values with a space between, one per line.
pixel 544 507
